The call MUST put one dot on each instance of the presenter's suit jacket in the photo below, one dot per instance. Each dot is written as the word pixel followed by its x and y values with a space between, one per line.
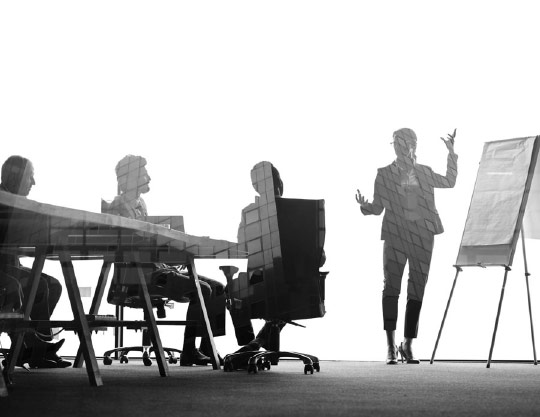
pixel 390 196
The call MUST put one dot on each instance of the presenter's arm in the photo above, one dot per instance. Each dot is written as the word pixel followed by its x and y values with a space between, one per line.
pixel 448 180
pixel 376 207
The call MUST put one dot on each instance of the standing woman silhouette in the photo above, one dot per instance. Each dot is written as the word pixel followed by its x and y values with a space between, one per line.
pixel 405 191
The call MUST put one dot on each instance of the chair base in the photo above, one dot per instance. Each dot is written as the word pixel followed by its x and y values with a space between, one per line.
pixel 146 351
pixel 255 361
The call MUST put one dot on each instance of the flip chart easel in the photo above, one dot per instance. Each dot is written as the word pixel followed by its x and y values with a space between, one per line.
pixel 495 218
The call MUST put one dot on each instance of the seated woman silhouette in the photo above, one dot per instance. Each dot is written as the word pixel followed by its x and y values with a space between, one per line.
pixel 268 191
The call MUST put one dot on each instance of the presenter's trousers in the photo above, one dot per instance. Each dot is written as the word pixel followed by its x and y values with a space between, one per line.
pixel 417 251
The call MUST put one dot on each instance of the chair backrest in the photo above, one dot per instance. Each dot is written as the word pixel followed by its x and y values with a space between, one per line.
pixel 284 238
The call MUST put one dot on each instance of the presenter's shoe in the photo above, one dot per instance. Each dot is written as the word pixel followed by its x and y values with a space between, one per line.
pixel 408 357
pixel 392 357
pixel 194 357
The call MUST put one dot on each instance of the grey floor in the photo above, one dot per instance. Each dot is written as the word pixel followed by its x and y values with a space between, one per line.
pixel 340 389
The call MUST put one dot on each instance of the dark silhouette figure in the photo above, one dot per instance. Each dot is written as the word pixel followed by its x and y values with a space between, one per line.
pixel 38 350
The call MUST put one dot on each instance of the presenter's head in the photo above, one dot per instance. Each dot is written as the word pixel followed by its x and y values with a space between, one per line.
pixel 405 143
pixel 132 175
pixel 18 175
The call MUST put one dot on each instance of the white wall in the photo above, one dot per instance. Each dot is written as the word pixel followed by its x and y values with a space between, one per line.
pixel 206 89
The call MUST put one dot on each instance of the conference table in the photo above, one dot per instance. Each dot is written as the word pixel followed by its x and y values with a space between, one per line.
pixel 45 231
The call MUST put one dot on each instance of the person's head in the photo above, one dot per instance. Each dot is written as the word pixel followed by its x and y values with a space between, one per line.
pixel 18 175
pixel 261 172
pixel 132 175
pixel 405 143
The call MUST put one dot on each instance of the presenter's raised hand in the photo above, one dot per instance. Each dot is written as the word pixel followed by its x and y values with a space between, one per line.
pixel 449 141
pixel 360 199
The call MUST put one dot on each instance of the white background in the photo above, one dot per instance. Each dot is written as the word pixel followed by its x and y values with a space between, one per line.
pixel 205 90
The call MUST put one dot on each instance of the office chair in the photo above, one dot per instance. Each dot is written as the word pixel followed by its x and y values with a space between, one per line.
pixel 284 238
pixel 125 291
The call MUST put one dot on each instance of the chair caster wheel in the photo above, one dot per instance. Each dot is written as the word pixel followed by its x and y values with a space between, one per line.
pixel 146 360
pixel 317 367
pixel 124 359
pixel 107 360
pixel 172 360
pixel 227 367
pixel 308 368
pixel 252 368
pixel 266 365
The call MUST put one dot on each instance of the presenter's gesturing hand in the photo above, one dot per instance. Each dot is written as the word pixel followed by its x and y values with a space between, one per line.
pixel 449 141
pixel 361 199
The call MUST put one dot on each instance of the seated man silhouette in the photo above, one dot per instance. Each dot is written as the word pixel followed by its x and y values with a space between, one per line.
pixel 133 180
pixel 246 332
pixel 38 349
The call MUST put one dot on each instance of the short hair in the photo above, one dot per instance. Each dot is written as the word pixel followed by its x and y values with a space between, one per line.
pixel 13 170
pixel 260 173
pixel 407 135
pixel 129 164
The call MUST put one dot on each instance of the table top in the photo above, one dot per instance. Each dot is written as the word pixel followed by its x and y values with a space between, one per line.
pixel 26 224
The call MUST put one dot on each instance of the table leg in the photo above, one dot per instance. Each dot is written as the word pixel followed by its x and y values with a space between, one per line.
pixel 193 272
pixel 96 303
pixel 83 330
pixel 29 297
pixel 152 325
pixel 3 387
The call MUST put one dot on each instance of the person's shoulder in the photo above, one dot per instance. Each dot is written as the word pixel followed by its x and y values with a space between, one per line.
pixel 388 167
pixel 250 207
pixel 114 207
pixel 423 168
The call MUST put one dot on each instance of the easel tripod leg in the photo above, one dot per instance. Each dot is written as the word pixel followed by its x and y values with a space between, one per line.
pixel 458 270
pixel 530 316
pixel 506 269
pixel 528 292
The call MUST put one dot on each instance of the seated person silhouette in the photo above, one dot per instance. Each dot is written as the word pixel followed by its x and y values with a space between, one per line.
pixel 133 180
pixel 38 349
pixel 270 193
pixel 11 294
